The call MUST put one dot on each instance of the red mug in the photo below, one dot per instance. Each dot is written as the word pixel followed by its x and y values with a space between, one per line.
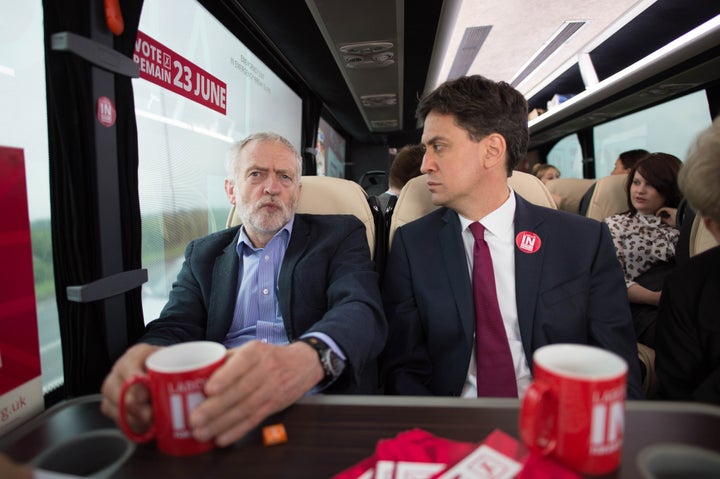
pixel 176 378
pixel 574 410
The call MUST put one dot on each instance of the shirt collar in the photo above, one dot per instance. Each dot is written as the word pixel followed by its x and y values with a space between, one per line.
pixel 497 222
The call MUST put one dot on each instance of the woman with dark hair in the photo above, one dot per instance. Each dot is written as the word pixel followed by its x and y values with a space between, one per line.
pixel 645 236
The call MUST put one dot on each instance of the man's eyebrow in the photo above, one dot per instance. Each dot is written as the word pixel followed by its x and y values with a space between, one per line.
pixel 254 167
pixel 433 140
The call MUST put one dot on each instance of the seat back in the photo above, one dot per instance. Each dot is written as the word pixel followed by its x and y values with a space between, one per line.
pixel 700 237
pixel 326 195
pixel 415 200
pixel 532 189
pixel 374 182
pixel 571 190
pixel 609 197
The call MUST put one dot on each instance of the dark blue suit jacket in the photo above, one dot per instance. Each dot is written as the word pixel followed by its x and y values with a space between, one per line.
pixel 327 284
pixel 570 291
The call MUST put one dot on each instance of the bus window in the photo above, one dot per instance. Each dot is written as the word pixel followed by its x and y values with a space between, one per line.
pixel 669 127
pixel 330 151
pixel 199 91
pixel 567 157
pixel 23 120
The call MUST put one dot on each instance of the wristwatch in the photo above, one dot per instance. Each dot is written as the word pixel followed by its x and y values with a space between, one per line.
pixel 332 363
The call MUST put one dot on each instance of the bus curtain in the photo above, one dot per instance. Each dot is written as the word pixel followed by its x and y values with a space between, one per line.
pixel 76 203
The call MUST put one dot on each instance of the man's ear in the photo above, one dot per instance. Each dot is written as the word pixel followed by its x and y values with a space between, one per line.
pixel 230 190
pixel 495 148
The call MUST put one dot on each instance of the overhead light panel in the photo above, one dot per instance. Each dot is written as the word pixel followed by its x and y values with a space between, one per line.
pixel 473 38
pixel 560 37
pixel 380 100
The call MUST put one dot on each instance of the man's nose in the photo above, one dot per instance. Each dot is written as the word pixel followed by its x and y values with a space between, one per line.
pixel 272 185
pixel 428 163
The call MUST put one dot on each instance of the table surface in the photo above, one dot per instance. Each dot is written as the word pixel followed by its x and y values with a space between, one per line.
pixel 328 434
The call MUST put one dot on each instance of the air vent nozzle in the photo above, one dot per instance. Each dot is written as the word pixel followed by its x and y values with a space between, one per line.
pixel 365 48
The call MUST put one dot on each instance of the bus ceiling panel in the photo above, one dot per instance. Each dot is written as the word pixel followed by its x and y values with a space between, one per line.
pixel 683 66
pixel 370 61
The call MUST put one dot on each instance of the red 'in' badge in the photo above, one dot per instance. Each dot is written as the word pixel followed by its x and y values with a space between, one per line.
pixel 528 242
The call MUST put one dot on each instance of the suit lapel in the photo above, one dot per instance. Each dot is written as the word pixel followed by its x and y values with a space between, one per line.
pixel 453 255
pixel 299 240
pixel 528 267
pixel 221 307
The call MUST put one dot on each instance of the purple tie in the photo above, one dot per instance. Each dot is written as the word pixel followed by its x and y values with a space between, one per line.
pixel 495 370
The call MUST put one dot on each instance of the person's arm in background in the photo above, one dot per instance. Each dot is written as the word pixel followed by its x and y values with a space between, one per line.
pixel 641 295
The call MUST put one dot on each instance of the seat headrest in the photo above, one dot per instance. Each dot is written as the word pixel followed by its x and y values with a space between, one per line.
pixel 609 197
pixel 415 200
pixel 326 195
pixel 571 190
pixel 700 237
pixel 532 189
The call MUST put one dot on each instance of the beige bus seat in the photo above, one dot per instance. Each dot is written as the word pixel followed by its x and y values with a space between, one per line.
pixel 700 237
pixel 326 195
pixel 415 200
pixel 609 197
pixel 571 190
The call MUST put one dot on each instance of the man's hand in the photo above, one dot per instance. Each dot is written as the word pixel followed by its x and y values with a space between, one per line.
pixel 137 399
pixel 257 380
pixel 668 215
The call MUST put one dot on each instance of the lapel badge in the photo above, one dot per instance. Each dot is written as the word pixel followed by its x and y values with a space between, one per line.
pixel 528 242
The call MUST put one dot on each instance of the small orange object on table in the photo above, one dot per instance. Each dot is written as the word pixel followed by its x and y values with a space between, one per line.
pixel 274 434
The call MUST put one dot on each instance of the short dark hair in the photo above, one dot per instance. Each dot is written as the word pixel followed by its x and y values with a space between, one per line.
pixel 482 107
pixel 406 165
pixel 630 157
pixel 660 170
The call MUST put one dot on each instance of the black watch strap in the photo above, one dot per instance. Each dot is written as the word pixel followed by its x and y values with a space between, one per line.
pixel 332 363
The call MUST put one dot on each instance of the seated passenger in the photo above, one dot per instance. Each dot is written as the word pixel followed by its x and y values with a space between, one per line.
pixel 545 173
pixel 646 235
pixel 404 167
pixel 688 325
pixel 623 164
pixel 320 299
pixel 542 276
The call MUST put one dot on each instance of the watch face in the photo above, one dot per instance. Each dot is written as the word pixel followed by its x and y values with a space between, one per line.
pixel 332 363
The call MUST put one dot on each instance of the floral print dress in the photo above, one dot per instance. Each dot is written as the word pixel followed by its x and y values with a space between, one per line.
pixel 641 241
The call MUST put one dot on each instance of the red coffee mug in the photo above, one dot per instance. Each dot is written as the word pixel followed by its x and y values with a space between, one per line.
pixel 575 408
pixel 176 378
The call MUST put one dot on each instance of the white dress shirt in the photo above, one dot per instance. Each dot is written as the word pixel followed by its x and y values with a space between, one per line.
pixel 500 237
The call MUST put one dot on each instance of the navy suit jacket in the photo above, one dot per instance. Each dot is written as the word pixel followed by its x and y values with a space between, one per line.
pixel 569 291
pixel 327 284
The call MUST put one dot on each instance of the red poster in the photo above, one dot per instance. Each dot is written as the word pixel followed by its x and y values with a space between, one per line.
pixel 20 382
pixel 168 69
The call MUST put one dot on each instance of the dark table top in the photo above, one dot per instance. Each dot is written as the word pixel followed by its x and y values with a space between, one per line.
pixel 328 434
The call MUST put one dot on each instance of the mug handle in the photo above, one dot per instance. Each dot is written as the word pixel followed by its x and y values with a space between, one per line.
pixel 538 418
pixel 150 433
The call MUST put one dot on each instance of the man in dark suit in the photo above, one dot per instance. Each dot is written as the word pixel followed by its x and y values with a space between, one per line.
pixel 294 297
pixel 558 279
